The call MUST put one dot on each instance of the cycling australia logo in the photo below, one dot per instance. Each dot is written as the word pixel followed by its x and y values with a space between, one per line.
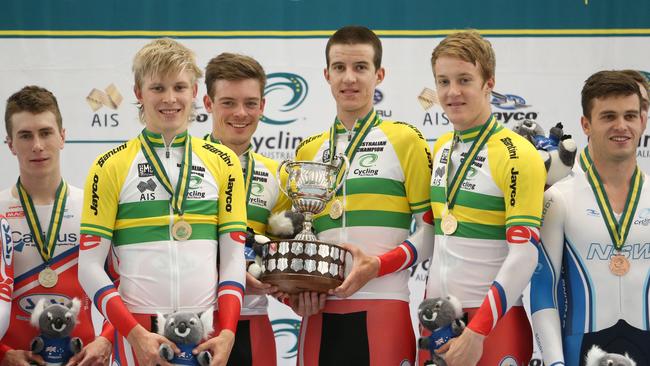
pixel 284 93
pixel 289 330
pixel 514 108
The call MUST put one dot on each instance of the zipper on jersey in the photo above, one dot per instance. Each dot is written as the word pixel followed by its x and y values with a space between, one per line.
pixel 173 249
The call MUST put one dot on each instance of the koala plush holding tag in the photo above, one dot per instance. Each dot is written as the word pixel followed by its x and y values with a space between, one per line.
pixel 442 316
pixel 56 322
pixel 253 252
pixel 186 330
pixel 598 357
pixel 558 150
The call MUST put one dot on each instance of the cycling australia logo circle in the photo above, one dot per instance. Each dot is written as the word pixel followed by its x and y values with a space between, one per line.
pixel 257 189
pixel 368 160
pixel 284 93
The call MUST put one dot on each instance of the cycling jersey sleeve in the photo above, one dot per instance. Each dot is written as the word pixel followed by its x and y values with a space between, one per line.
pixel 520 174
pixel 6 275
pixel 543 287
pixel 416 162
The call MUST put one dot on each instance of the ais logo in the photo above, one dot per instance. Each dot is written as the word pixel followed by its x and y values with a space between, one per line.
pixel 284 93
pixel 290 328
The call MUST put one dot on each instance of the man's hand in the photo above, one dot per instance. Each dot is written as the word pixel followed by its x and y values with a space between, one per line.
pixel 96 353
pixel 256 287
pixel 219 346
pixel 21 358
pixel 364 269
pixel 307 303
pixel 145 345
pixel 466 350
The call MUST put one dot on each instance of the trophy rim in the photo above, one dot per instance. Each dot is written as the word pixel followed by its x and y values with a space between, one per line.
pixel 293 283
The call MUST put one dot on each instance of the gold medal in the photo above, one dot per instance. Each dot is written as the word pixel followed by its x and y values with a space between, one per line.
pixel 48 278
pixel 448 224
pixel 181 230
pixel 619 265
pixel 336 210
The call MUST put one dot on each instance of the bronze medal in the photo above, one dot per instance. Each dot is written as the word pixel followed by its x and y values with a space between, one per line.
pixel 619 265
pixel 48 278
pixel 181 230
pixel 336 210
pixel 448 224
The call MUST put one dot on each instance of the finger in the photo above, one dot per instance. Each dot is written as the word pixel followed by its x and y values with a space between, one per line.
pixel 171 344
pixel 74 360
pixel 444 348
pixel 301 304
pixel 35 358
pixel 315 303
pixel 321 301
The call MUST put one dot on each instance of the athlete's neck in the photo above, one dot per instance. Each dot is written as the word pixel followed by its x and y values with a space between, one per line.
pixel 615 177
pixel 237 148
pixel 481 119
pixel 350 118
pixel 41 189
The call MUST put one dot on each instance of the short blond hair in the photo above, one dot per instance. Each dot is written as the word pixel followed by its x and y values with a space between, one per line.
pixel 468 46
pixel 164 56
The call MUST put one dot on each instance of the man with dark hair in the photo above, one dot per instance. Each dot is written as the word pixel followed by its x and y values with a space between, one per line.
pixel 366 321
pixel 44 213
pixel 235 86
pixel 591 286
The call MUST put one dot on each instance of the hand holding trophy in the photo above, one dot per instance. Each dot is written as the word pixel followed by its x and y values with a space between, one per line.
pixel 304 263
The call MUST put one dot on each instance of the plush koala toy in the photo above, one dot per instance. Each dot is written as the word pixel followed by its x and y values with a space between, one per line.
pixel 253 252
pixel 186 330
pixel 56 322
pixel 286 224
pixel 558 150
pixel 441 316
pixel 598 357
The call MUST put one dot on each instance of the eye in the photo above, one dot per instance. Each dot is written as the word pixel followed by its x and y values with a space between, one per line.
pixel 49 316
pixel 442 82
pixel 252 104
pixel 172 323
pixel 427 315
pixel 193 321
pixel 68 316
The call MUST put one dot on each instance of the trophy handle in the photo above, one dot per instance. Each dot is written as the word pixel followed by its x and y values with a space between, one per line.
pixel 277 176
pixel 345 172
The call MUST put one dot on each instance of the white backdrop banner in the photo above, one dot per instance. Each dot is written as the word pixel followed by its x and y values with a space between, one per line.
pixel 540 76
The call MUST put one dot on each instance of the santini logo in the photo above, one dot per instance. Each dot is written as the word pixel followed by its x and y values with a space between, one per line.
pixel 287 87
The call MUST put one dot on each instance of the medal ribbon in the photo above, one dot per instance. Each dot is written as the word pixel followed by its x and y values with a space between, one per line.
pixel 362 130
pixel 465 163
pixel 618 230
pixel 179 193
pixel 250 166
pixel 45 244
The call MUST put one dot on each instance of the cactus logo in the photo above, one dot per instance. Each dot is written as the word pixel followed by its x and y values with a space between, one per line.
pixel 287 328
pixel 508 101
pixel 378 97
pixel 284 93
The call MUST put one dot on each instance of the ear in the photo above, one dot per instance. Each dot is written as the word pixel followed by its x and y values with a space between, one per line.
pixel 489 83
pixel 195 90
pixel 161 320
pixel 138 93
pixel 75 306
pixel 10 143
pixel 326 73
pixel 207 102
pixel 36 313
pixel 206 319
pixel 62 134
pixel 586 125
pixel 594 355
pixel 381 73
pixel 262 104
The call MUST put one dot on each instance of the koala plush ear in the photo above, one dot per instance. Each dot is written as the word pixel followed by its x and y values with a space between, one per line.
pixel 206 320
pixel 75 306
pixel 36 313
pixel 161 320
pixel 458 307
pixel 594 355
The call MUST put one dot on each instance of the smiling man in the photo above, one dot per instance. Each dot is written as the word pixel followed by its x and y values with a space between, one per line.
pixel 235 86
pixel 44 214
pixel 486 198
pixel 165 205
pixel 386 187
pixel 592 284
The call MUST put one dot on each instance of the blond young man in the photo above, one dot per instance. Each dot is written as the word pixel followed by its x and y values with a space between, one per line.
pixel 165 205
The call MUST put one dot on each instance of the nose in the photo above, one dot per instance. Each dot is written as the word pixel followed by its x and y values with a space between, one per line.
pixel 240 110
pixel 169 96
pixel 182 327
pixel 454 88
pixel 38 144
pixel 349 76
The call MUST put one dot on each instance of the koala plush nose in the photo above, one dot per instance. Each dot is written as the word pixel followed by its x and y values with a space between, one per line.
pixel 182 327
pixel 58 322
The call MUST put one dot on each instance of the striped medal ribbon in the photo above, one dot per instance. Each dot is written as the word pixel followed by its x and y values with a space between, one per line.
pixel 181 230
pixel 618 231
pixel 46 245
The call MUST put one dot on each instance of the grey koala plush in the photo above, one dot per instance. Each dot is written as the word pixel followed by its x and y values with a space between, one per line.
pixel 186 330
pixel 598 357
pixel 441 316
pixel 286 224
pixel 56 322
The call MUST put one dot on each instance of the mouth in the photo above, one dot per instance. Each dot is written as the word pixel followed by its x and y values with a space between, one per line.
pixel 620 138
pixel 169 111
pixel 182 334
pixel 39 160
pixel 455 104
pixel 238 124
pixel 59 329
pixel 349 92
